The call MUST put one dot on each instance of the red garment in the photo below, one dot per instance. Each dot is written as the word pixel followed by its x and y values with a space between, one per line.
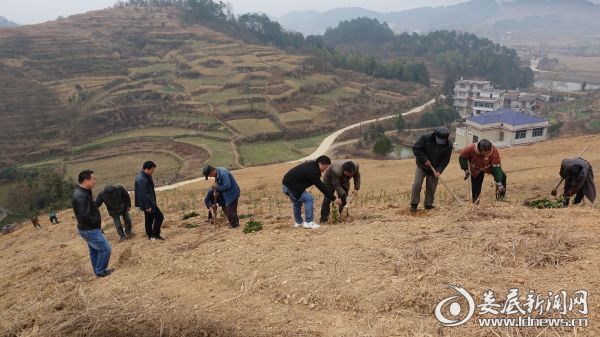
pixel 478 161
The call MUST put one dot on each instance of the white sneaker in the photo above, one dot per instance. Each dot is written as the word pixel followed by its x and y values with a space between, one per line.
pixel 311 225
pixel 297 225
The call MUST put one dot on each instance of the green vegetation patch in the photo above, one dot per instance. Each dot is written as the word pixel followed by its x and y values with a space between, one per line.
pixel 544 203
pixel 253 226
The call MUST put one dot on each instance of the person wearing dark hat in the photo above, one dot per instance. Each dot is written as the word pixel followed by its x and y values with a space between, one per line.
pixel 297 180
pixel 432 152
pixel 579 180
pixel 483 157
pixel 145 199
pixel 226 186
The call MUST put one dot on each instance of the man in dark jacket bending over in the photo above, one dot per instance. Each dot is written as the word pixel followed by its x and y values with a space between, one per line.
pixel 432 152
pixel 118 204
pixel 89 223
pixel 295 183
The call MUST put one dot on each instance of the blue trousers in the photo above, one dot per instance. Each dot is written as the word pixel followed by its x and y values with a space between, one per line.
pixel 99 249
pixel 306 199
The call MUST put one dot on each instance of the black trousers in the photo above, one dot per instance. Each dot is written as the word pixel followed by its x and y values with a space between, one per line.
pixel 210 213
pixel 477 182
pixel 232 216
pixel 326 207
pixel 153 221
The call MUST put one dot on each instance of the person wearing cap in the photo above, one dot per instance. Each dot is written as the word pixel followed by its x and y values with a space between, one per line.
pixel 483 157
pixel 432 152
pixel 337 178
pixel 226 186
pixel 145 199
pixel 294 185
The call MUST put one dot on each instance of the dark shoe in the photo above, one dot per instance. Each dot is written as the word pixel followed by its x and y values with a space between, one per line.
pixel 234 226
pixel 105 273
pixel 122 238
pixel 159 238
pixel 413 209
pixel 429 207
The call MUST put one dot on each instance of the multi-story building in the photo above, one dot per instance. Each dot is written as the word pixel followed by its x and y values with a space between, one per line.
pixel 466 91
pixel 488 100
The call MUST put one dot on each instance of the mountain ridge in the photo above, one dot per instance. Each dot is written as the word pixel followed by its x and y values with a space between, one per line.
pixel 507 22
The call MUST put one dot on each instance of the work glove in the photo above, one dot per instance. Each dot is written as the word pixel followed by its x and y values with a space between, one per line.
pixel 467 174
pixel 500 190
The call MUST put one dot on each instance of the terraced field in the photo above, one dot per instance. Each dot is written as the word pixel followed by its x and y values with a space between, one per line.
pixel 121 76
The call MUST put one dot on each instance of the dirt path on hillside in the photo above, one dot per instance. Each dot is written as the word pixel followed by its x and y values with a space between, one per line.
pixel 327 143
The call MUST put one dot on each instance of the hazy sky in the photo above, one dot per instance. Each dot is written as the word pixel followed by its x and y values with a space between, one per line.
pixel 35 11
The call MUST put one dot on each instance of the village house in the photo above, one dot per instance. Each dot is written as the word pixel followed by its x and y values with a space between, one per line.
pixel 504 128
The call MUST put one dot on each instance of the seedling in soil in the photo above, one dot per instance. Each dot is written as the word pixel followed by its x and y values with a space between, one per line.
pixel 191 225
pixel 253 226
pixel 545 203
pixel 190 215
pixel 335 216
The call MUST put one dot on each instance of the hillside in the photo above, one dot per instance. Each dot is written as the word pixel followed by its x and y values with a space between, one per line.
pixel 532 22
pixel 108 80
pixel 381 274
pixel 4 22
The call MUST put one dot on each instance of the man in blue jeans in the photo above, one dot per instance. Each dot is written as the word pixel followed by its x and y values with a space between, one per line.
pixel 145 199
pixel 295 183
pixel 89 223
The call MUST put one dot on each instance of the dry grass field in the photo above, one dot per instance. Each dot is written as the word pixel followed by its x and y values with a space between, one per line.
pixel 380 274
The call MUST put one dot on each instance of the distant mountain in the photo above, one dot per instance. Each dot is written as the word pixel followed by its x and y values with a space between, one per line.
pixel 509 22
pixel 4 22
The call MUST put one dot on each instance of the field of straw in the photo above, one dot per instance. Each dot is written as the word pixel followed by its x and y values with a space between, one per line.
pixel 380 274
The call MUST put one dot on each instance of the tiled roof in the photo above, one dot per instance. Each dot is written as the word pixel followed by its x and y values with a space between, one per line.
pixel 506 116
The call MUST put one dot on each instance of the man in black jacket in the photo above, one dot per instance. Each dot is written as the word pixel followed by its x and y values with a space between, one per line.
pixel 118 204
pixel 432 152
pixel 89 223
pixel 295 183
pixel 145 199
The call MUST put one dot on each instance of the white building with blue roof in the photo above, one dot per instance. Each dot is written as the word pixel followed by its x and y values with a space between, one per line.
pixel 504 128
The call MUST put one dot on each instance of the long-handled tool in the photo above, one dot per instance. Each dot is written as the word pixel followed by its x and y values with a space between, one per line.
pixel 445 186
pixel 345 209
pixel 213 209
pixel 555 189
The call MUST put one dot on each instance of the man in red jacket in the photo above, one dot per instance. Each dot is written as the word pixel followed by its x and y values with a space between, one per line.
pixel 483 158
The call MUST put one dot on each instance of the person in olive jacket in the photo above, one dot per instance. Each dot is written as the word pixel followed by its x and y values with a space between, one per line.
pixel 145 199
pixel 89 223
pixel 295 183
pixel 432 151
pixel 118 203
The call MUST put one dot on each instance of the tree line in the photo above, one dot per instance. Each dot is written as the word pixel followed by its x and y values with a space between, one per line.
pixel 457 54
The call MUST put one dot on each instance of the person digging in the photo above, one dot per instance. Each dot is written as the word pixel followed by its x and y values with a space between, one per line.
pixel 482 157
pixel 227 187
pixel 579 181
pixel 337 178
pixel 294 185
pixel 432 152
pixel 212 201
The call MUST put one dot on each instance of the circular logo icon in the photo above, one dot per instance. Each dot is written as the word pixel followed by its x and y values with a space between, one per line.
pixel 455 308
